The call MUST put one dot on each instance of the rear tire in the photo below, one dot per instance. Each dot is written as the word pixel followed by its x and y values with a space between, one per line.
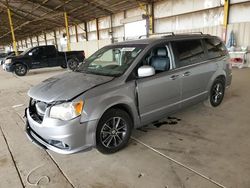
pixel 73 64
pixel 217 92
pixel 113 131
pixel 20 69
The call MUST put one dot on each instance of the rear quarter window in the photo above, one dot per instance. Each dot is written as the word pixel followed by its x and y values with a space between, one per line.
pixel 215 48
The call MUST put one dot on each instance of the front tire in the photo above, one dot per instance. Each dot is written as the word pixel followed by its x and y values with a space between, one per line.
pixel 64 66
pixel 217 92
pixel 113 131
pixel 20 69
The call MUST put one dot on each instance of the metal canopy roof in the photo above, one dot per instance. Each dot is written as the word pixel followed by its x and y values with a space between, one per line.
pixel 32 17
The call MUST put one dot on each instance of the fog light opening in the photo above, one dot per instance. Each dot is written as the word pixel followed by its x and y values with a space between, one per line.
pixel 58 144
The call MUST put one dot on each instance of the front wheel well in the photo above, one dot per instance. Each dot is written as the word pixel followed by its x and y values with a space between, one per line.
pixel 21 63
pixel 123 107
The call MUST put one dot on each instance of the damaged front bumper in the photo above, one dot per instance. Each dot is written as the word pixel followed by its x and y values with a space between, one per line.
pixel 64 137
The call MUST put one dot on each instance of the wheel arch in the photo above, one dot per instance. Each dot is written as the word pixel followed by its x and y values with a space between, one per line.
pixel 221 77
pixel 124 107
pixel 21 62
pixel 218 74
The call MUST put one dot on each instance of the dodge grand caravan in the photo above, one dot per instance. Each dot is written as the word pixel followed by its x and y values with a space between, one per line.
pixel 124 86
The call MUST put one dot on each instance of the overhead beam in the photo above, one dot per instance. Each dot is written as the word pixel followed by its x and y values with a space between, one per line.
pixel 26 23
pixel 24 17
pixel 99 6
pixel 54 9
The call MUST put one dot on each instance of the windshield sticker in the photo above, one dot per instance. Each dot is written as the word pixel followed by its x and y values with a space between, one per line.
pixel 128 49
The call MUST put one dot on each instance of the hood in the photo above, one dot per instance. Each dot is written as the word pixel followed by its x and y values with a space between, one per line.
pixel 13 57
pixel 65 86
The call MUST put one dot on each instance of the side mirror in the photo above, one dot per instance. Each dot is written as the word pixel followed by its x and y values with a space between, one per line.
pixel 30 54
pixel 145 71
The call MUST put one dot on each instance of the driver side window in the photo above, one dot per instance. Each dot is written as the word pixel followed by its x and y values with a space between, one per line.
pixel 159 58
pixel 35 52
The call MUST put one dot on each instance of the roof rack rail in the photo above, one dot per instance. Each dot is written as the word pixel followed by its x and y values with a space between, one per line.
pixel 195 32
pixel 164 34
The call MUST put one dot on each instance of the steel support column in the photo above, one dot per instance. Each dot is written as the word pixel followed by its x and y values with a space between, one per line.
pixel 97 29
pixel 55 38
pixel 67 30
pixel 31 42
pixel 152 19
pixel 37 40
pixel 12 29
pixel 76 31
pixel 111 29
pixel 45 38
pixel 26 44
pixel 86 31
pixel 226 16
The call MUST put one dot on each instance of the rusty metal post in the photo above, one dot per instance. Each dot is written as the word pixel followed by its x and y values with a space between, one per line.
pixel 12 29
pixel 67 30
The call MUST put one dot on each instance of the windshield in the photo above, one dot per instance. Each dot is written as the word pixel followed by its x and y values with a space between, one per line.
pixel 110 61
pixel 25 51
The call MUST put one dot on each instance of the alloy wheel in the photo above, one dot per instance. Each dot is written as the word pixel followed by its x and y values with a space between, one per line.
pixel 217 93
pixel 113 132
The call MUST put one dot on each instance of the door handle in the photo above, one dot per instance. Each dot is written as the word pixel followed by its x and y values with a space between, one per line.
pixel 174 77
pixel 186 73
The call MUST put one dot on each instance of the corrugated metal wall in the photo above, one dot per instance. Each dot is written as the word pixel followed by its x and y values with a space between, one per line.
pixel 178 16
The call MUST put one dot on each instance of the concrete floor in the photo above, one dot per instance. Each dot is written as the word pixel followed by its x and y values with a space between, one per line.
pixel 208 147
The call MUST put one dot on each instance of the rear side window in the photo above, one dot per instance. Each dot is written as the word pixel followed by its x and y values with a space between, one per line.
pixel 49 51
pixel 188 52
pixel 215 48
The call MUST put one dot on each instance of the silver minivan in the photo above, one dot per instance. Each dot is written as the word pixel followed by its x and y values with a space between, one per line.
pixel 124 86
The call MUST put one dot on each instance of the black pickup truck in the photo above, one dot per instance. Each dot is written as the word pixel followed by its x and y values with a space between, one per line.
pixel 41 57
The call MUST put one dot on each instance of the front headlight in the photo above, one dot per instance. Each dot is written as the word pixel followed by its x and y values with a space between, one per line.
pixel 66 111
pixel 7 61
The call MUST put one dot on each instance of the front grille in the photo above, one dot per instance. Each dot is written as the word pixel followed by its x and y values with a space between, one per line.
pixel 37 110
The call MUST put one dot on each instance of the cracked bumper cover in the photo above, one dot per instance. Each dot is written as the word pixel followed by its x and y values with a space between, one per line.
pixel 63 137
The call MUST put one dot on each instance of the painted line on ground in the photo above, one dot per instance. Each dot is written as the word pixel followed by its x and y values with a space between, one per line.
pixel 179 163
pixel 18 105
